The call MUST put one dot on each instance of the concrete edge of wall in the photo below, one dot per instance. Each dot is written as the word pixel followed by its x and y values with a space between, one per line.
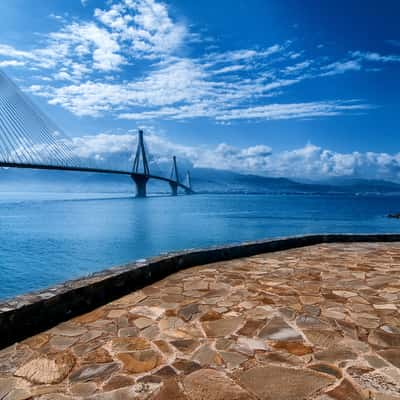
pixel 29 314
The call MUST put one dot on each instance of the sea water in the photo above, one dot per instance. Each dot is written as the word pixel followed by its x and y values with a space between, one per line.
pixel 49 238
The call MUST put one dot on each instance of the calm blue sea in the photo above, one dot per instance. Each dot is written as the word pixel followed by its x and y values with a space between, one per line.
pixel 49 238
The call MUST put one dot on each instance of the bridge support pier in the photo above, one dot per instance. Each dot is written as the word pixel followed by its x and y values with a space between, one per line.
pixel 141 182
pixel 174 188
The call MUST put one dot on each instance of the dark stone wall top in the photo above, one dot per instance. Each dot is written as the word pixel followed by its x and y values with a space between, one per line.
pixel 29 314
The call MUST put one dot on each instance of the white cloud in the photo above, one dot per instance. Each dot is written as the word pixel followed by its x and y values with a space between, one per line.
pixel 230 68
pixel 295 110
pixel 10 51
pixel 99 145
pixel 357 63
pixel 180 81
pixel 316 162
pixel 78 48
pixel 298 67
pixel 267 112
pixel 182 88
pixel 145 26
pixel 375 57
pixel 244 54
pixel 83 39
pixel 11 63
pixel 310 161
pixel 126 62
pixel 340 67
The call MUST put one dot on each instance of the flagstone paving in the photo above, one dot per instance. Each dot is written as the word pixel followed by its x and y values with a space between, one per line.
pixel 320 323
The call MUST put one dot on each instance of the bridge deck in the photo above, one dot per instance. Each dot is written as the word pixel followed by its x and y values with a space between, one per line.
pixel 89 169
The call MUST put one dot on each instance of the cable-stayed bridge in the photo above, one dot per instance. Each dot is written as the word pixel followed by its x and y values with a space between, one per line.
pixel 29 139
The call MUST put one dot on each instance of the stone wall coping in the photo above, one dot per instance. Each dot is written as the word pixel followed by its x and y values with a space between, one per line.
pixel 26 315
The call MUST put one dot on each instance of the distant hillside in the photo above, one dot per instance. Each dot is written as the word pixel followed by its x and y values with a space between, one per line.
pixel 217 181
pixel 204 180
pixel 210 180
pixel 362 185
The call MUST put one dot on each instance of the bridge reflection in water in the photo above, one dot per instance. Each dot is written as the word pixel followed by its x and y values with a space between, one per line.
pixel 29 139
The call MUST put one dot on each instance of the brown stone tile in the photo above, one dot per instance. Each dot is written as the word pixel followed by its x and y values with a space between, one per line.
pixel 166 372
pixel 222 327
pixel 47 370
pixel 206 356
pixel 69 329
pixel 97 356
pixel 35 342
pixel 385 336
pixel 213 385
pixel 164 347
pixel 211 315
pixel 117 382
pixel 296 348
pixel 278 330
pixel 139 361
pixel 336 354
pixel 94 372
pixel 276 382
pixel 170 390
pixel 313 310
pixel 186 346
pixel 186 366
pixel 83 348
pixel 322 338
pixel 251 328
pixel 346 391
pixel 327 369
pixel 391 355
pixel 60 343
pixel 189 311
pixel 91 316
pixel 83 389
pixel 122 344
pixel 375 361
pixel 232 359
pixel 130 331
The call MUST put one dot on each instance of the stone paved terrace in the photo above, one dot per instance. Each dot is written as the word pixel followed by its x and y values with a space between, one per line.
pixel 319 322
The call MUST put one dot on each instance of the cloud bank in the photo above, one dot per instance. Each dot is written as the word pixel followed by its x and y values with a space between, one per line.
pixel 310 161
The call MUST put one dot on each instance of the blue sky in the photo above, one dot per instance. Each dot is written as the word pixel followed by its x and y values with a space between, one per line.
pixel 277 87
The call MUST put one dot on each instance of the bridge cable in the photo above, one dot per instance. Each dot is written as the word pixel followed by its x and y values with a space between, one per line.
pixel 24 140
pixel 8 141
pixel 18 124
pixel 45 136
pixel 57 149
pixel 20 149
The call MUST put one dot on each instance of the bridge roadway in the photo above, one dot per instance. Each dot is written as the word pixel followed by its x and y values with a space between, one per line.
pixel 134 175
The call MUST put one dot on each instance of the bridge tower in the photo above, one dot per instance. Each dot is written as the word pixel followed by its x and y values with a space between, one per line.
pixel 188 183
pixel 140 178
pixel 174 177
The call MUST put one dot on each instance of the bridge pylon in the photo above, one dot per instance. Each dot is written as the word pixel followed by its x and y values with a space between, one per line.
pixel 174 177
pixel 188 183
pixel 140 177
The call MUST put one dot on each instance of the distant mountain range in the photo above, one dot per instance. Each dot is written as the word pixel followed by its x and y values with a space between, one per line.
pixel 204 180
pixel 216 181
